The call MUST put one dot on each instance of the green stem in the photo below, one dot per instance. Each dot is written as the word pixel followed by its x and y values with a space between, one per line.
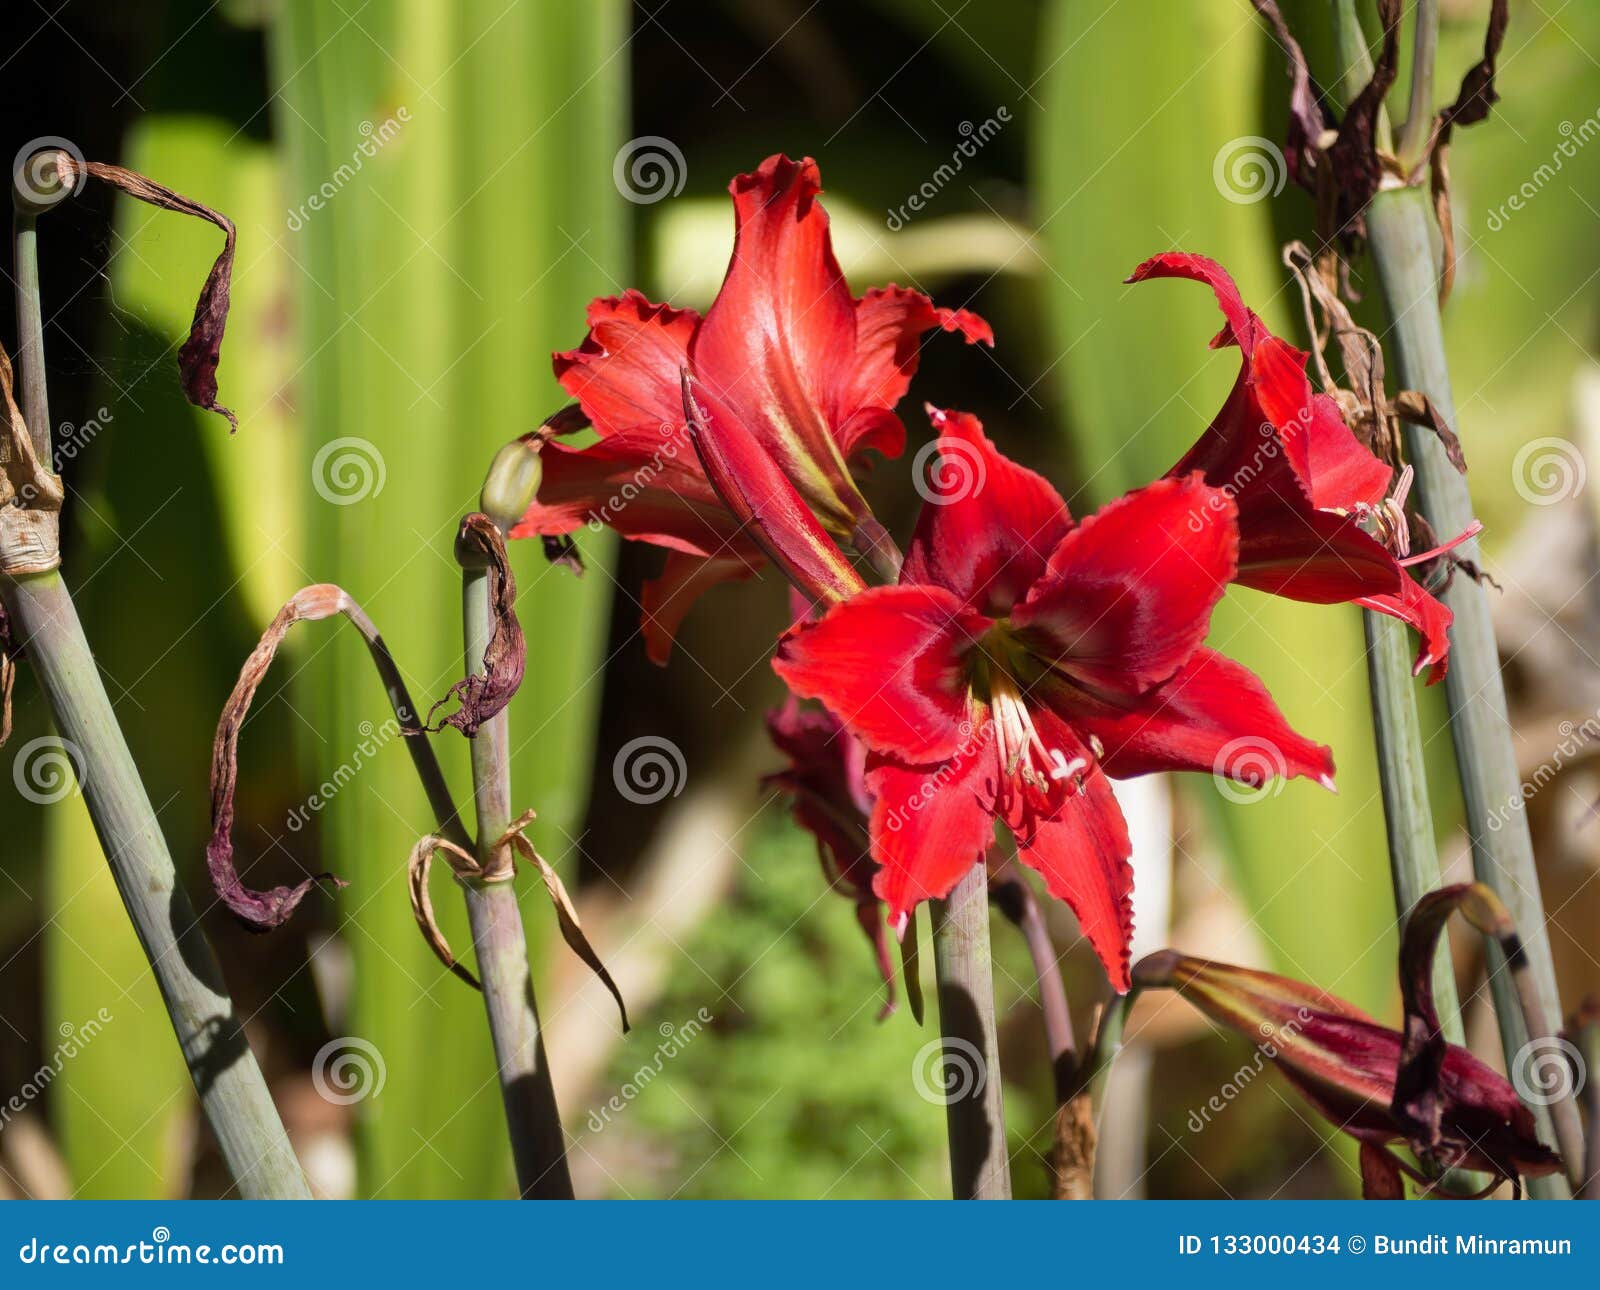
pixel 975 1114
pixel 538 1146
pixel 233 1093
pixel 1502 847
pixel 1402 774
pixel 1418 127
pixel 1398 233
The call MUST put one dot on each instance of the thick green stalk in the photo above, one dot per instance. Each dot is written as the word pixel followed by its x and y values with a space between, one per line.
pixel 1502 847
pixel 1408 816
pixel 233 1093
pixel 975 1113
pixel 1399 236
pixel 538 1146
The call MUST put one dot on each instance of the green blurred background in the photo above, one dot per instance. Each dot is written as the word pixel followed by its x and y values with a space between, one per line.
pixel 427 194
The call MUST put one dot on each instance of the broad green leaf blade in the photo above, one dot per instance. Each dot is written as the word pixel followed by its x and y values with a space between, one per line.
pixel 450 212
pixel 1152 137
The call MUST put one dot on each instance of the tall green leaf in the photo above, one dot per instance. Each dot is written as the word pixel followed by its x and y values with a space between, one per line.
pixel 450 210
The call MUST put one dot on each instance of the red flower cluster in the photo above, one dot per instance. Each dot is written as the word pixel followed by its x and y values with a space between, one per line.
pixel 1022 656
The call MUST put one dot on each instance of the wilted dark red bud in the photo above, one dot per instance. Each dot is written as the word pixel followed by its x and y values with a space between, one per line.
pixel 1345 1065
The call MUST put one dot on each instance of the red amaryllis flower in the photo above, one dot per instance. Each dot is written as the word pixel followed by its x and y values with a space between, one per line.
pixel 1302 480
pixel 785 355
pixel 1021 659
pixel 1345 1065
pixel 827 786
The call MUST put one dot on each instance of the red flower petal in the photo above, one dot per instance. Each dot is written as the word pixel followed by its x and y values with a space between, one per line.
pixel 1082 852
pixel 1319 557
pixel 1243 327
pixel 665 601
pixel 989 526
pixel 765 505
pixel 890 322
pixel 781 333
pixel 887 662
pixel 625 374
pixel 1214 716
pixel 1428 616
pixel 929 825
pixel 1128 594
pixel 648 488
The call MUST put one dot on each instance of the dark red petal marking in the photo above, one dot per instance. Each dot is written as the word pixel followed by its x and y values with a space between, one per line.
pixel 888 663
pixel 989 526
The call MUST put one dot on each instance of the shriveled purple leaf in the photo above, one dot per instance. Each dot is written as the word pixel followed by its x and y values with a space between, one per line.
pixel 202 351
pixel 260 911
pixel 484 695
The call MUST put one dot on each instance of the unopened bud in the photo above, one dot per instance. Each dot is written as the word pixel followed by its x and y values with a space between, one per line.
pixel 512 482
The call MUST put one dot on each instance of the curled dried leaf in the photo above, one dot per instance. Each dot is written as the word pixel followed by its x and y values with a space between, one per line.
pixel 566 914
pixel 1416 407
pixel 484 695
pixel 1477 94
pixel 1357 168
pixel 1307 120
pixel 202 351
pixel 418 868
pixel 261 911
